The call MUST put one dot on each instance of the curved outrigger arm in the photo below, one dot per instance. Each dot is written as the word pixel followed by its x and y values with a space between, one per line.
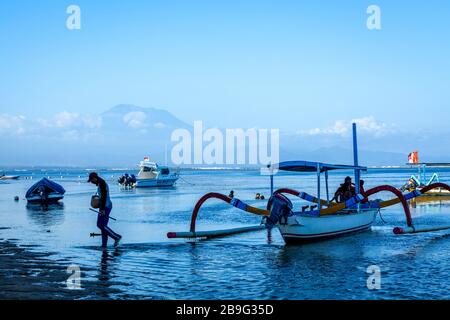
pixel 234 202
pixel 400 198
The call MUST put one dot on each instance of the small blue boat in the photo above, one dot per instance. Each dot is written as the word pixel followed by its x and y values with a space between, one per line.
pixel 45 191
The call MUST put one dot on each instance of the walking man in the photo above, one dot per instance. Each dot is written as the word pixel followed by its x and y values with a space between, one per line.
pixel 104 210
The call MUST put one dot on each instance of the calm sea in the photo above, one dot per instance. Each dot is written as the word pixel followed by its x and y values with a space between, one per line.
pixel 248 266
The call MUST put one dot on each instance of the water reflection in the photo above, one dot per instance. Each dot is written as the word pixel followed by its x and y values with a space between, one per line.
pixel 107 260
pixel 430 201
pixel 46 215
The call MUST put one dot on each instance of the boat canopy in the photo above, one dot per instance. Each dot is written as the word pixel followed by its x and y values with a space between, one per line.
pixel 47 184
pixel 308 166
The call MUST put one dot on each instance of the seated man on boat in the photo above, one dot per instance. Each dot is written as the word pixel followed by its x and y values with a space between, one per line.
pixel 345 192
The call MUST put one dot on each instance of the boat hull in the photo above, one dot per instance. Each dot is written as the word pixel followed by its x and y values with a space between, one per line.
pixel 306 229
pixel 51 198
pixel 437 192
pixel 9 177
pixel 155 183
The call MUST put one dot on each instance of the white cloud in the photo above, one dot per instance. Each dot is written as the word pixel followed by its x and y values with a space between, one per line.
pixel 92 121
pixel 367 125
pixel 159 125
pixel 65 125
pixel 135 120
pixel 66 119
pixel 14 125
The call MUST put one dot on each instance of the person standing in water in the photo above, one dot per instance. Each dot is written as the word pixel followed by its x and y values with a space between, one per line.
pixel 104 210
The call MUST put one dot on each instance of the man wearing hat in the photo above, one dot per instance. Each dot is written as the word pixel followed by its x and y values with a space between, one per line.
pixel 104 210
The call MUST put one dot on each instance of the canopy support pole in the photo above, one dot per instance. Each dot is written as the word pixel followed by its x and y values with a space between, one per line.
pixel 355 163
pixel 270 168
pixel 318 187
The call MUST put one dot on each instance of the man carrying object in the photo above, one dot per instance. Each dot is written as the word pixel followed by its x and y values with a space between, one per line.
pixel 105 207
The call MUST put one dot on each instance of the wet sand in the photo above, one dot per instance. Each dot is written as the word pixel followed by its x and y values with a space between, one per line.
pixel 27 274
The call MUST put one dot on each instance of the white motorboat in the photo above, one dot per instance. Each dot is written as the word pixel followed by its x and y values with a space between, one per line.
pixel 153 175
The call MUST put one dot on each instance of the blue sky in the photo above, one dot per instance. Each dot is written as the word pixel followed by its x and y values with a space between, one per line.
pixel 296 65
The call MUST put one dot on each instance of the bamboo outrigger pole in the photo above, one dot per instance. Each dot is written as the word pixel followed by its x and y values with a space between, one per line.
pixel 406 230
pixel 213 233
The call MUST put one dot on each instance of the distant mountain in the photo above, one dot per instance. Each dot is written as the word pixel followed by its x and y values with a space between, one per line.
pixel 125 116
pixel 338 149
pixel 339 155
pixel 131 132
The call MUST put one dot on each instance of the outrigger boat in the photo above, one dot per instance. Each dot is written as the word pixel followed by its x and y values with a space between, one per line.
pixel 325 219
pixel 318 224
pixel 420 181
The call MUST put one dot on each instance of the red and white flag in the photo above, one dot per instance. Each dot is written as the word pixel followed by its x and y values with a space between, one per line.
pixel 413 157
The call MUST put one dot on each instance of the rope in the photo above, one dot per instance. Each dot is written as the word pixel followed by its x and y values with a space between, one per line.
pixel 381 217
pixel 181 178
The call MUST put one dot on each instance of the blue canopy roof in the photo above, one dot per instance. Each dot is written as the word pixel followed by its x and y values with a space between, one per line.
pixel 308 166
pixel 46 183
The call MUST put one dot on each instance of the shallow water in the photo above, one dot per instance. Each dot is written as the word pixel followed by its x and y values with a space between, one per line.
pixel 247 266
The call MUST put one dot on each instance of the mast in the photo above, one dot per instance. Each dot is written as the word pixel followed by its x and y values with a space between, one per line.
pixel 165 154
pixel 355 160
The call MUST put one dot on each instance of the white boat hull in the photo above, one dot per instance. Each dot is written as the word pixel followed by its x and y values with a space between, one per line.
pixel 302 228
pixel 155 183
pixel 9 177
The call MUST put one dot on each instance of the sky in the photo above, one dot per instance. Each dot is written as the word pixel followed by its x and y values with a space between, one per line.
pixel 303 66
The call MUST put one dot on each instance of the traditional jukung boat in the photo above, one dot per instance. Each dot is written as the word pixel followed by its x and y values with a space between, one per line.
pixel 321 223
pixel 421 180
pixel 325 218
